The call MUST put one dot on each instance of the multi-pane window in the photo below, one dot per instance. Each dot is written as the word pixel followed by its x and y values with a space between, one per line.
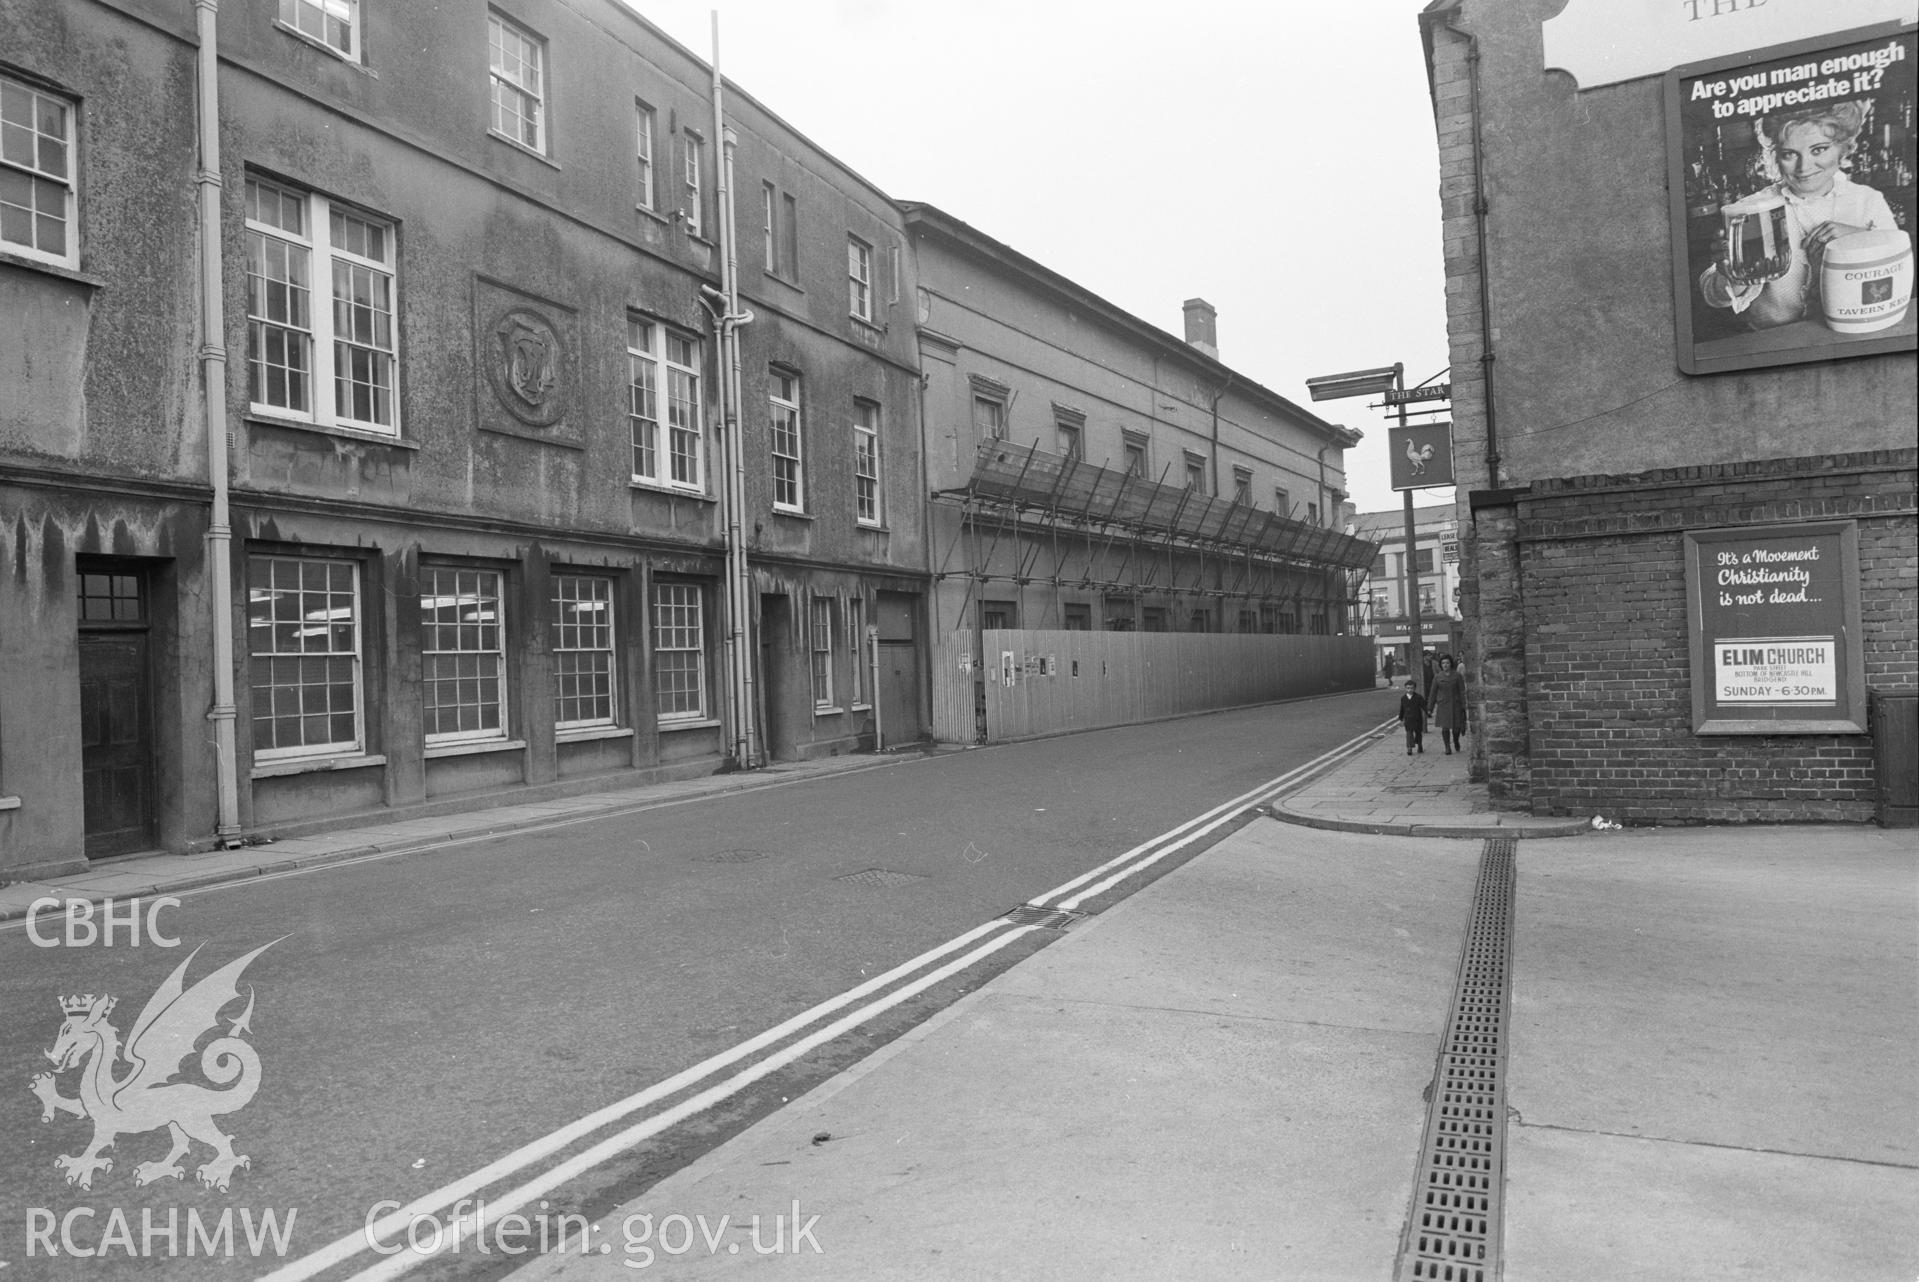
pixel 679 652
pixel 866 461
pixel 856 642
pixel 1243 486
pixel 663 378
pixel 989 417
pixel 859 278
pixel 463 654
pixel 303 651
pixel 822 646
pixel 1196 473
pixel 1282 502
pixel 332 360
pixel 643 147
pixel 789 492
pixel 1134 448
pixel 1312 514
pixel 37 194
pixel 334 23
pixel 692 160
pixel 583 673
pixel 779 211
pixel 516 63
pixel 1069 439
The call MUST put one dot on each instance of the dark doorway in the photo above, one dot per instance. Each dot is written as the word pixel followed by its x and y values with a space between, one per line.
pixel 899 692
pixel 776 676
pixel 116 718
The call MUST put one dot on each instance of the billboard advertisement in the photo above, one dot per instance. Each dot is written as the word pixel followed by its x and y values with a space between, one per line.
pixel 1793 201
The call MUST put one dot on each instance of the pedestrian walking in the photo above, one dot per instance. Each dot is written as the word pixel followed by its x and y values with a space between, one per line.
pixel 1412 715
pixel 1426 683
pixel 1449 702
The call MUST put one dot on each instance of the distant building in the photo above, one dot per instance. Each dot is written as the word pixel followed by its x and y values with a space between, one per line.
pixel 1386 592
pixel 1091 473
pixel 1684 447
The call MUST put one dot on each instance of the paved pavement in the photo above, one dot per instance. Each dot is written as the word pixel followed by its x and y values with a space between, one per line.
pixel 1711 1041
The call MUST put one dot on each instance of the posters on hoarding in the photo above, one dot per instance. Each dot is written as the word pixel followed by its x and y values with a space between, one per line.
pixel 1791 173
pixel 1775 629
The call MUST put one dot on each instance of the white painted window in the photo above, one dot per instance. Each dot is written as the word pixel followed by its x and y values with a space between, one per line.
pixel 643 148
pixel 866 461
pixel 679 652
pixel 39 203
pixel 303 655
pixel 789 478
pixel 584 675
pixel 692 161
pixel 856 643
pixel 663 378
pixel 859 277
pixel 333 361
pixel 333 23
pixel 462 655
pixel 822 637
pixel 516 64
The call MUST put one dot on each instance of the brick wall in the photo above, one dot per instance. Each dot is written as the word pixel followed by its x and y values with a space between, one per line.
pixel 1597 628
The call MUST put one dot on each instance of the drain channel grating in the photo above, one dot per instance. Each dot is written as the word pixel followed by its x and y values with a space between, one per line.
pixel 1453 1232
pixel 880 877
pixel 730 857
pixel 1045 918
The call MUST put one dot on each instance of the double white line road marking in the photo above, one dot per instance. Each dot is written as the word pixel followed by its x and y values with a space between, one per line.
pixel 973 947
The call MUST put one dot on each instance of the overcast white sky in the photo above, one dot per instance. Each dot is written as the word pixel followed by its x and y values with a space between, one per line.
pixel 1274 157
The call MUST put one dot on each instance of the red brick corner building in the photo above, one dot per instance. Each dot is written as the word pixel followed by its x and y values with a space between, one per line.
pixel 1613 428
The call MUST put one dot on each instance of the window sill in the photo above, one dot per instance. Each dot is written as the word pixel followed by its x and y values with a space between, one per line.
pixel 647 211
pixel 861 322
pixel 325 48
pixel 794 514
pixel 255 418
pixel 470 749
pixel 9 803
pixel 873 527
pixel 659 487
pixel 312 765
pixel 787 282
pixel 704 723
pixel 522 148
pixel 9 258
pixel 862 707
pixel 583 734
pixel 827 711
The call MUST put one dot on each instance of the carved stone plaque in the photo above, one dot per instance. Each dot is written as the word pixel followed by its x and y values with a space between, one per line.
pixel 526 355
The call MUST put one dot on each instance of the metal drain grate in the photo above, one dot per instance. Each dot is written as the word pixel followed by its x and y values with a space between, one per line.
pixel 1046 918
pixel 730 857
pixel 880 877
pixel 1452 1234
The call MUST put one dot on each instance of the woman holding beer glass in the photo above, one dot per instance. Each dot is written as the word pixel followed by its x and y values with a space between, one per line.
pixel 1769 269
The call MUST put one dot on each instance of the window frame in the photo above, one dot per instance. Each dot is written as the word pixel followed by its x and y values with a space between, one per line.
pixel 352 53
pixel 1136 449
pixel 781 382
pixel 856 643
pixel 499 77
pixel 68 182
pixel 1196 473
pixel 354 747
pixel 868 497
pixel 991 426
pixel 669 616
pixel 692 166
pixel 1242 486
pixel 644 119
pixel 502 703
pixel 859 279
pixel 323 337
pixel 819 632
pixel 607 588
pixel 672 440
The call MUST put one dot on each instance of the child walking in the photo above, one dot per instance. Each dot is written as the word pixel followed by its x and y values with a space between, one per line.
pixel 1412 715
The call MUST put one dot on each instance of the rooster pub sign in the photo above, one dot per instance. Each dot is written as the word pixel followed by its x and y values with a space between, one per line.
pixel 1422 456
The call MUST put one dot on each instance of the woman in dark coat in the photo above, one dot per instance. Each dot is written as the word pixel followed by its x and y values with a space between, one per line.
pixel 1449 703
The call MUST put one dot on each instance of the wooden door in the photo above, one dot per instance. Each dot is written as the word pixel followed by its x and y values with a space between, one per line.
pixel 116 742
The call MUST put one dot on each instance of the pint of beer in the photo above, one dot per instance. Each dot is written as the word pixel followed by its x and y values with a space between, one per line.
pixel 1758 247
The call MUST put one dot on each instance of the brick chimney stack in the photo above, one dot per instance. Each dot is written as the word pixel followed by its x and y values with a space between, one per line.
pixel 1202 326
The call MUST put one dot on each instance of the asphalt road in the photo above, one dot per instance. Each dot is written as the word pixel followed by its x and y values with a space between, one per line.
pixel 418 1017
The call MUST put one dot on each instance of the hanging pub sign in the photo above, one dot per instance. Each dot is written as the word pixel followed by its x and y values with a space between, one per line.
pixel 1774 614
pixel 1791 182
pixel 1422 456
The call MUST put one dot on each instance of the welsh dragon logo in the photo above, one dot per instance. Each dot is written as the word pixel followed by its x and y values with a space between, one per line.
pixel 145 1097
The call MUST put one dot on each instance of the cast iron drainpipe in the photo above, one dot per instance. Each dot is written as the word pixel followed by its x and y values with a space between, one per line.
pixel 213 369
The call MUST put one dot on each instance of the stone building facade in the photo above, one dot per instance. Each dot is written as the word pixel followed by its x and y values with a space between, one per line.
pixel 468 258
pixel 1595 455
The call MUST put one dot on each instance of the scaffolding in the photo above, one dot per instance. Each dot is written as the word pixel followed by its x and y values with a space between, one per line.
pixel 1068 524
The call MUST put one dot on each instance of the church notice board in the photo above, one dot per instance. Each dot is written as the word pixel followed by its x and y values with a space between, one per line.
pixel 1774 621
